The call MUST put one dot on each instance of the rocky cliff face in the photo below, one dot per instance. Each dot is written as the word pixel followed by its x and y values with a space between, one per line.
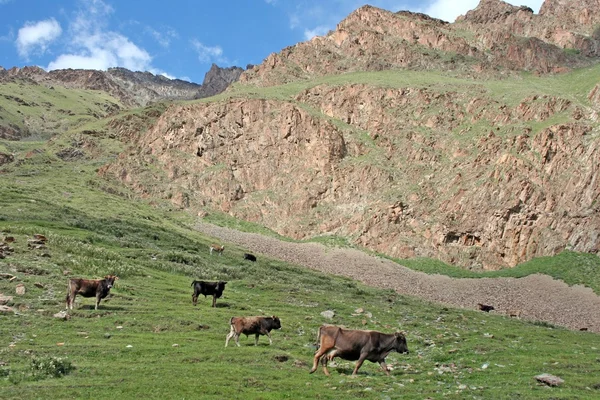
pixel 459 173
pixel 407 189
pixel 217 80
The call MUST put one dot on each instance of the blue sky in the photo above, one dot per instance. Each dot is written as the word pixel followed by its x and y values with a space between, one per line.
pixel 178 38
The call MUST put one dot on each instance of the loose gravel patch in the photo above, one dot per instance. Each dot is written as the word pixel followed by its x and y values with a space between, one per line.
pixel 537 297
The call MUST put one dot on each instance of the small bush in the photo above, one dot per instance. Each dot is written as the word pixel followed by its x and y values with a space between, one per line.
pixel 50 367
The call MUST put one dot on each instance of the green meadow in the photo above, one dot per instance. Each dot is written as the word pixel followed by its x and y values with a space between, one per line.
pixel 147 340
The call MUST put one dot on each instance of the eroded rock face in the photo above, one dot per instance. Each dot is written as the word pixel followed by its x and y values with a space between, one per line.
pixel 494 199
pixel 403 171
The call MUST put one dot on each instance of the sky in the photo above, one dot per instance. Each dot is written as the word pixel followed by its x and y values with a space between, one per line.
pixel 179 39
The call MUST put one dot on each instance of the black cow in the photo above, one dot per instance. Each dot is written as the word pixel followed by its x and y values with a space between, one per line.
pixel 250 257
pixel 358 345
pixel 485 307
pixel 214 289
pixel 252 326
pixel 89 288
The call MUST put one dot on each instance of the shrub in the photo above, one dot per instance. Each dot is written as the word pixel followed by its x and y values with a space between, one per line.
pixel 50 367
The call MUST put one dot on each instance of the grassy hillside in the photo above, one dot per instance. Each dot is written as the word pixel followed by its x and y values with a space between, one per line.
pixel 147 340
pixel 42 111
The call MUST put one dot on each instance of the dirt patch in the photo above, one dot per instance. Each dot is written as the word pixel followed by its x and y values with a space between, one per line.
pixel 537 297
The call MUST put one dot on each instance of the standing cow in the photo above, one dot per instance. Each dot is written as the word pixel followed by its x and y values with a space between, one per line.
pixel 214 289
pixel 89 288
pixel 252 326
pixel 356 345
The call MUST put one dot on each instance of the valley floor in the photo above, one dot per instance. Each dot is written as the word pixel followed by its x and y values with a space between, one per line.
pixel 535 297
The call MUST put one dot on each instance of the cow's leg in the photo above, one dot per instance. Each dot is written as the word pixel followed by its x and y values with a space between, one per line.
pixel 194 299
pixel 98 298
pixel 360 362
pixel 318 354
pixel 229 336
pixel 237 339
pixel 256 339
pixel 214 301
pixel 269 336
pixel 384 366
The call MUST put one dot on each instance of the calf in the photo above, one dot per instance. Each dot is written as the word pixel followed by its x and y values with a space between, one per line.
pixel 214 289
pixel 252 326
pixel 249 257
pixel 485 307
pixel 357 345
pixel 89 288
pixel 217 248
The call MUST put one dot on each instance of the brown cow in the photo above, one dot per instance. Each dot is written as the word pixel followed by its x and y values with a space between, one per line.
pixel 215 247
pixel 252 326
pixel 357 345
pixel 89 288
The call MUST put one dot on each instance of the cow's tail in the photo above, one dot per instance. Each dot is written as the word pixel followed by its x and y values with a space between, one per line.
pixel 194 282
pixel 67 299
pixel 319 338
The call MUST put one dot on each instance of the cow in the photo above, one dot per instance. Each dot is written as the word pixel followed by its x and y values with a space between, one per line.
pixel 359 345
pixel 252 326
pixel 89 288
pixel 215 247
pixel 214 289
pixel 485 307
pixel 515 313
pixel 249 257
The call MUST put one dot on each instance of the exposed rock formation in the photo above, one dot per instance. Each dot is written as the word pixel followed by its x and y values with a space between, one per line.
pixel 494 36
pixel 217 80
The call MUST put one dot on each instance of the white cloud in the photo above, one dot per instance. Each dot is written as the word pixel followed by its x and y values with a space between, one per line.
pixel 93 46
pixel 163 38
pixel 208 54
pixel 35 37
pixel 448 10
pixel 318 31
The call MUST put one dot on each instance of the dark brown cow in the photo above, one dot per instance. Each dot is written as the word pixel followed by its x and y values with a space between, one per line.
pixel 252 326
pixel 249 257
pixel 89 288
pixel 357 345
pixel 214 289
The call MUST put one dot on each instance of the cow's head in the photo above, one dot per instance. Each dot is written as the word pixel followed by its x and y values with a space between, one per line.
pixel 110 280
pixel 221 285
pixel 276 322
pixel 400 345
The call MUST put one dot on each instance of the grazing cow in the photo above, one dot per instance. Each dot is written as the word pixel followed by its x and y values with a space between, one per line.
pixel 89 288
pixel 252 326
pixel 515 313
pixel 250 257
pixel 217 248
pixel 357 345
pixel 485 307
pixel 214 289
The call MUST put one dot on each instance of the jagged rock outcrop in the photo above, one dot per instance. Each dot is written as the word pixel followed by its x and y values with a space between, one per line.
pixel 217 80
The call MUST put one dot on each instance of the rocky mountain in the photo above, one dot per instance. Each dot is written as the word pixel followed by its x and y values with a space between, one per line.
pixel 496 37
pixel 475 142
pixel 131 88
pixel 445 150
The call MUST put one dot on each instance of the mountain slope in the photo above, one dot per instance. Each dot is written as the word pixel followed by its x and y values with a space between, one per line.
pixel 483 172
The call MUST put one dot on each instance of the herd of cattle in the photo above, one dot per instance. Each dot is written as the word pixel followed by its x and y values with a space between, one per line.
pixel 333 341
